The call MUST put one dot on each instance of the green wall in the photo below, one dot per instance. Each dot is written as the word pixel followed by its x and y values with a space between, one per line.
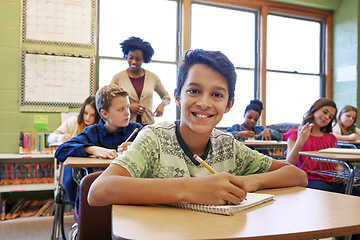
pixel 346 54
pixel 12 121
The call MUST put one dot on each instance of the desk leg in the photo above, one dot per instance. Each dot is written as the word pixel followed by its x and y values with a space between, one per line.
pixel 350 180
pixel 59 209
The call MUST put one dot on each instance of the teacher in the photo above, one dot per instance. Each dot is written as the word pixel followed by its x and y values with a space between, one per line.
pixel 140 83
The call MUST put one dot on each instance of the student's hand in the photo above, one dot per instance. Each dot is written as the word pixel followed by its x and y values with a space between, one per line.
pixel 101 152
pixel 304 133
pixel 245 134
pixel 137 108
pixel 265 134
pixel 217 189
pixel 63 137
pixel 123 147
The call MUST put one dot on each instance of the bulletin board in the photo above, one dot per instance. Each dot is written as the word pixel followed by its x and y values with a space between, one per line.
pixel 59 22
pixel 55 79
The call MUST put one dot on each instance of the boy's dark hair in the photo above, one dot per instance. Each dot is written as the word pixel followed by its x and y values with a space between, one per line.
pixel 105 94
pixel 216 60
pixel 255 105
pixel 322 102
pixel 135 43
pixel 88 101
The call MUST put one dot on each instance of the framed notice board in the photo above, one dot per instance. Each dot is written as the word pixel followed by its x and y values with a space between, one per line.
pixel 55 79
pixel 61 22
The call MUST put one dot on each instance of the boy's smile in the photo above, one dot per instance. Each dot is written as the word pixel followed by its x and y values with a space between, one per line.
pixel 203 100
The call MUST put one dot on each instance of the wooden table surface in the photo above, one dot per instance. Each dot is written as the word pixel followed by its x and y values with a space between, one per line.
pixel 297 213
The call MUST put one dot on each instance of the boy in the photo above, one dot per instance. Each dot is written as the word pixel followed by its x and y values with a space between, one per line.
pixel 159 166
pixel 102 139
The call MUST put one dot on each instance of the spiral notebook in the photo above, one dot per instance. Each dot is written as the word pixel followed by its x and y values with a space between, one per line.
pixel 253 199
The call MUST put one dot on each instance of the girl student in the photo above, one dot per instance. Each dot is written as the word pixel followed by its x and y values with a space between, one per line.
pixel 345 129
pixel 315 134
pixel 76 124
pixel 249 130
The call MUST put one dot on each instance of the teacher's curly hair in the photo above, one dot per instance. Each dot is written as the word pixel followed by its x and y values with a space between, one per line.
pixel 135 43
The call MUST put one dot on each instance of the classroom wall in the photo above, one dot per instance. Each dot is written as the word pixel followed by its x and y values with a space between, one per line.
pixel 346 54
pixel 12 121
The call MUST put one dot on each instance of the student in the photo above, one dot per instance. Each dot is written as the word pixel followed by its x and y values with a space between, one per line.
pixel 249 130
pixel 76 124
pixel 159 166
pixel 313 135
pixel 141 83
pixel 102 139
pixel 345 129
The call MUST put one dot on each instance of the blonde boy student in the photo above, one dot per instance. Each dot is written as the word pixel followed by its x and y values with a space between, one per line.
pixel 102 139
pixel 159 166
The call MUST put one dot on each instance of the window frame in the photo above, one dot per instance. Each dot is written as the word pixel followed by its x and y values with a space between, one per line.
pixel 264 8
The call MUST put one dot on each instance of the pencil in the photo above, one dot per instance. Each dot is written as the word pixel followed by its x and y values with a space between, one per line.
pixel 244 128
pixel 132 134
pixel 204 164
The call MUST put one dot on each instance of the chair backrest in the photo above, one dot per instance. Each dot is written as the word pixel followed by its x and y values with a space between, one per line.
pixel 93 222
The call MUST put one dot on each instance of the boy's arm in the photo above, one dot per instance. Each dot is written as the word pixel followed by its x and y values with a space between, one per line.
pixel 280 174
pixel 215 189
pixel 75 147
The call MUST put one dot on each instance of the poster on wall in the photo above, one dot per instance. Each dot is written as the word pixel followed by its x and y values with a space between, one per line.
pixel 61 22
pixel 53 80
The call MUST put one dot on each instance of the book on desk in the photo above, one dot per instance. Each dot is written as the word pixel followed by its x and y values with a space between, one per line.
pixel 253 199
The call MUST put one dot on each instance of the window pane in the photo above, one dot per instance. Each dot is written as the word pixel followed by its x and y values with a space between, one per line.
pixel 243 94
pixel 289 96
pixel 229 31
pixel 154 21
pixel 293 44
pixel 166 73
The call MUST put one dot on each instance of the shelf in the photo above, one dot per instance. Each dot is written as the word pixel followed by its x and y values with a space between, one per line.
pixel 27 187
pixel 24 158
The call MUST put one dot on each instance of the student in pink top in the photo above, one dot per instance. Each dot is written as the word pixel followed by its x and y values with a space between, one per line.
pixel 315 134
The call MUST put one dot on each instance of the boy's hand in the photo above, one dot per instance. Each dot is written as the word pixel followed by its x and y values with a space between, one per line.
pixel 217 189
pixel 101 152
pixel 123 147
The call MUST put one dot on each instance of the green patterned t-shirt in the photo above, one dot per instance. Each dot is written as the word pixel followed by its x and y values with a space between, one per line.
pixel 157 153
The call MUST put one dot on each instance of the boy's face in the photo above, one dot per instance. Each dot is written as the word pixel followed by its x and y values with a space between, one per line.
pixel 203 100
pixel 118 113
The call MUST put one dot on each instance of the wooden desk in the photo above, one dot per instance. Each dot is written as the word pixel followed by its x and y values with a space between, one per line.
pixel 297 213
pixel 276 149
pixel 347 161
pixel 87 162
pixel 349 144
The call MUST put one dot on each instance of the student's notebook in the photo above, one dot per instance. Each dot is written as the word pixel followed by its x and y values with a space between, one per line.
pixel 340 150
pixel 253 199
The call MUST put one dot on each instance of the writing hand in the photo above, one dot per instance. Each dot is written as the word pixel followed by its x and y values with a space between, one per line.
pixel 216 189
pixel 123 147
pixel 63 138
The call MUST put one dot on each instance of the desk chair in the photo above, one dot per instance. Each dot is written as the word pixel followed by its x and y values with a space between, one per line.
pixel 92 222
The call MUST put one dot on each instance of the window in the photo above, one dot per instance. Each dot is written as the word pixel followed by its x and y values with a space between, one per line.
pixel 295 49
pixel 232 32
pixel 121 19
pixel 294 70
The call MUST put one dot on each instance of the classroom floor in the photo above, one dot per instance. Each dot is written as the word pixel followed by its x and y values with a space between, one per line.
pixel 37 228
